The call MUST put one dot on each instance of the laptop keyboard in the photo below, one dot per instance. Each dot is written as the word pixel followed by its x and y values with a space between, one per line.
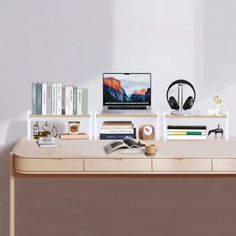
pixel 127 108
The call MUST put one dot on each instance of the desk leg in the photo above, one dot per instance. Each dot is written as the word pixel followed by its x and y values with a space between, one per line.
pixel 12 199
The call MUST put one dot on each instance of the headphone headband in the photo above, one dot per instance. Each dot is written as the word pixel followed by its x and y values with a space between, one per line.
pixel 181 81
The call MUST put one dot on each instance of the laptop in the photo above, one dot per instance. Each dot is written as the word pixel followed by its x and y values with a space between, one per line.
pixel 126 92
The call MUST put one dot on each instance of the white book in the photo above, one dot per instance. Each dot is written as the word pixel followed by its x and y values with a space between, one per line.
pixel 47 142
pixel 186 130
pixel 69 100
pixel 186 137
pixel 67 97
pixel 44 98
pixel 116 131
pixel 79 101
pixel 49 99
pixel 54 98
pixel 59 99
pixel 63 101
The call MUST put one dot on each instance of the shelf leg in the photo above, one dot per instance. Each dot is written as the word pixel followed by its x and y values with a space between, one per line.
pixel 12 199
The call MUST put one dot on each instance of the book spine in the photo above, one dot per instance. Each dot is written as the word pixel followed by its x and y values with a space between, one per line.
pixel 54 98
pixel 186 127
pixel 116 131
pixel 44 98
pixel 116 127
pixel 63 101
pixel 185 133
pixel 39 99
pixel 33 98
pixel 49 101
pixel 58 99
pixel 67 99
pixel 117 136
pixel 186 137
pixel 71 101
pixel 75 101
pixel 79 101
pixel 85 101
pixel 186 130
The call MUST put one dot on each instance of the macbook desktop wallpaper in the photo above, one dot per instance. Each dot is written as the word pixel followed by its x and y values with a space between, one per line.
pixel 127 89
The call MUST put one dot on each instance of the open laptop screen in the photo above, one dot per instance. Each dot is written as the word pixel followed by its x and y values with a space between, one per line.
pixel 127 89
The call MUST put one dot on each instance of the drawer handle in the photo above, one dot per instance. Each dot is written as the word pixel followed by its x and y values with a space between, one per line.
pixel 118 159
pixel 58 159
pixel 179 159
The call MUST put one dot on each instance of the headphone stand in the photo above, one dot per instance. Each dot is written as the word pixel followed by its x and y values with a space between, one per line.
pixel 180 112
pixel 179 106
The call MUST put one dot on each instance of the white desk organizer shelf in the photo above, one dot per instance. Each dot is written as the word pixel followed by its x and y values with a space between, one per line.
pixel 61 122
pixel 137 119
pixel 211 121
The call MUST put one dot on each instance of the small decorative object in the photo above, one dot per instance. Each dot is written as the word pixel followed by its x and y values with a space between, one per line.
pixel 146 132
pixel 54 131
pixel 216 131
pixel 46 128
pixel 74 127
pixel 150 150
pixel 36 129
pixel 216 112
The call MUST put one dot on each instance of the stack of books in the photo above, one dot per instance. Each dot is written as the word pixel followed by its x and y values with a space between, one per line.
pixel 47 142
pixel 183 132
pixel 56 99
pixel 117 130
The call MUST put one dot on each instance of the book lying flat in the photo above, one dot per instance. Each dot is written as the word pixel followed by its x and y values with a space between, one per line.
pixel 47 142
pixel 186 133
pixel 79 136
pixel 117 125
pixel 201 127
pixel 124 144
pixel 118 135
pixel 116 131
pixel 186 137
pixel 186 130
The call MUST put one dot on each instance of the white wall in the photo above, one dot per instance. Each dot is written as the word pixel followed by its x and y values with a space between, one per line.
pixel 75 41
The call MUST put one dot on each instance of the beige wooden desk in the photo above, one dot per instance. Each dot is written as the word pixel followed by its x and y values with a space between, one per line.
pixel 88 157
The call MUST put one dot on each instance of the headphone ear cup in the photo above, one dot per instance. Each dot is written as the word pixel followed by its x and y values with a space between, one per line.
pixel 173 103
pixel 188 103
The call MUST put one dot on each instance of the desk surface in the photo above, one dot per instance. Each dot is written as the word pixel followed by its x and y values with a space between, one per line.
pixel 95 149
pixel 89 157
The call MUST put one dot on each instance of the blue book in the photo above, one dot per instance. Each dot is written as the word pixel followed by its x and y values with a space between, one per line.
pixel 118 136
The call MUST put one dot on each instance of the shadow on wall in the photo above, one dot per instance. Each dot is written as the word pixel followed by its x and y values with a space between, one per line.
pixel 215 44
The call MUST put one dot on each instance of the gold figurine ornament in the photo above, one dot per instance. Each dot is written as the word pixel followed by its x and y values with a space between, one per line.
pixel 216 112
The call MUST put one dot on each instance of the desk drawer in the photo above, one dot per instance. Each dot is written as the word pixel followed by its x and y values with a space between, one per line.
pixel 117 165
pixel 181 165
pixel 224 165
pixel 48 165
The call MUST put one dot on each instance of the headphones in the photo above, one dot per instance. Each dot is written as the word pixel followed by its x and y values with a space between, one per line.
pixel 189 101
